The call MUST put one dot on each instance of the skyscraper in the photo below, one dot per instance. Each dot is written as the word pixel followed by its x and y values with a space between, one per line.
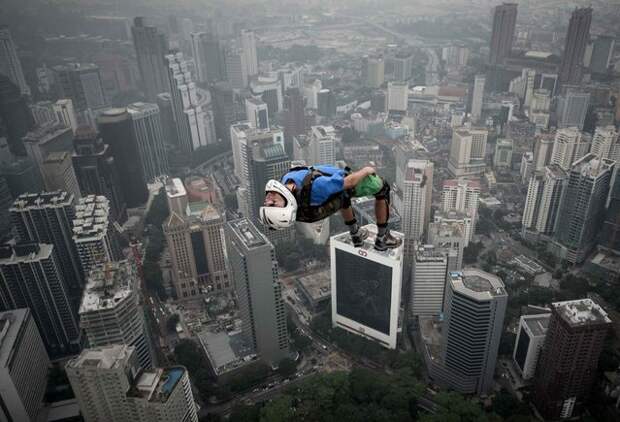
pixel 166 115
pixel 223 109
pixel 30 277
pixel 23 366
pixel 462 196
pixel 543 147
pixel 115 127
pixel 542 202
pixel 58 173
pixel 257 113
pixel 428 280
pixel 449 237
pixel 65 113
pixel 209 57
pixel 326 103
pixel 9 61
pixel 568 362
pixel 504 22
pixel 318 147
pixel 582 209
pixel 109 386
pixel 151 46
pixel 294 118
pixel 397 96
pixel 236 68
pixel 572 109
pixel 577 36
pixel 96 172
pixel 467 152
pixel 606 143
pixel 5 203
pixel 82 83
pixel 248 44
pixel 111 311
pixel 503 153
pixel 93 234
pixel 187 104
pixel 569 145
pixel 602 53
pixel 529 343
pixel 255 271
pixel 477 98
pixel 147 130
pixel 366 288
pixel 15 114
pixel 474 307
pixel 47 217
pixel 375 72
pixel 42 140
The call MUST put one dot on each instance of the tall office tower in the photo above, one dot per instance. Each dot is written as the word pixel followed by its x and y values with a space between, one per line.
pixel 400 65
pixel 449 237
pixel 462 219
pixel 248 44
pixel 570 145
pixel 375 72
pixel 413 201
pixel 428 280
pixel 115 127
pixel 23 366
pixel 477 98
pixel 147 131
pixel 572 109
pixel 582 209
pixel 151 46
pixel 318 147
pixel 43 112
pixel 294 116
pixel 503 153
pixel 223 109
pixel 109 386
pixel 577 36
pixel 257 113
pixel 255 271
pixel 46 217
pixel 568 362
pixel 602 53
pixel 21 176
pixel 366 288
pixel 96 172
pixel 209 57
pixel 326 103
pixel 543 147
pixel 65 113
pixel 529 343
pixel 94 236
pixel 504 23
pixel 474 307
pixel 82 83
pixel 30 277
pixel 269 89
pixel 543 200
pixel 462 195
pixel 236 68
pixel 311 91
pixel 58 173
pixel 187 104
pixel 9 61
pixel 111 311
pixel 5 203
pixel 397 96
pixel 606 143
pixel 53 137
pixel 15 114
pixel 467 152
pixel 176 196
pixel 243 136
pixel 166 115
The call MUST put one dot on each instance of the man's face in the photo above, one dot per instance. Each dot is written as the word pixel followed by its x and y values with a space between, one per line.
pixel 274 199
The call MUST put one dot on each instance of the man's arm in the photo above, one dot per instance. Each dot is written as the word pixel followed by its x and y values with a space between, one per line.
pixel 354 178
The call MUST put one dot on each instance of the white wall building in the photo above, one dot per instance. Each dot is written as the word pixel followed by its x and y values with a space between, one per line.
pixel 397 96
pixel 428 280
pixel 606 143
pixel 570 145
pixel 530 340
pixel 477 98
pixel 467 152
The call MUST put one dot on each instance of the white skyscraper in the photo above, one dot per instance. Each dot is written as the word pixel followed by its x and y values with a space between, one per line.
pixel 462 195
pixel 318 147
pixel 257 113
pixel 243 136
pixel 570 145
pixel 606 143
pixel 413 201
pixel 65 113
pixel 9 61
pixel 311 92
pixel 248 44
pixel 449 237
pixel 111 310
pixel 397 96
pixel 467 152
pixel 459 218
pixel 428 280
pixel 147 130
pixel 477 98
pixel 529 343
pixel 572 109
pixel 543 200
pixel 109 386
pixel 543 148
pixel 366 288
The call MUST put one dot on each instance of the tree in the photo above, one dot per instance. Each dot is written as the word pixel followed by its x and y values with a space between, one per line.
pixel 171 323
pixel 505 405
pixel 471 252
pixel 188 353
pixel 287 367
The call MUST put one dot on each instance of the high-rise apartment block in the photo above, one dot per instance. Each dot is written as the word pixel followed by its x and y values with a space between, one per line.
pixel 413 201
pixel 111 313
pixel 375 72
pixel 58 173
pixel 397 96
pixel 151 46
pixel 606 143
pixel 543 148
pixel 42 140
pixel 602 53
pixel 542 201
pixel 477 98
pixel 255 271
pixel 109 386
pixel 366 288
pixel 83 84
pixel 577 37
pixel 318 147
pixel 462 196
pixel 257 113
pixel 147 131
pixel 9 61
pixel 428 280
pixel 570 145
pixel 236 68
pixel 450 237
pixel 248 44
pixel 23 366
pixel 223 109
pixel 65 113
pixel 467 152
pixel 94 235
pixel 209 57
pixel 582 208
pixel 30 277
pixel 504 23
pixel 572 109
pixel 567 366
pixel 529 343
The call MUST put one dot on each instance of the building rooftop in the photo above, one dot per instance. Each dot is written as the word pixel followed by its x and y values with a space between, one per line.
pixel 155 385
pixel 256 101
pixel 248 233
pixel 581 312
pixel 24 253
pixel 225 351
pixel 556 171
pixel 28 201
pixel 317 285
pixel 91 218
pixel 46 132
pixel 477 284
pixel 175 188
pixel 57 157
pixel 106 357
pixel 108 285
pixel 429 253
pixel 10 328
pixel 395 254
pixel 471 184
pixel 592 166
pixel 537 324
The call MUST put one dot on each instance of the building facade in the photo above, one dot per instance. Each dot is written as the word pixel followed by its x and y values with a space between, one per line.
pixel 147 131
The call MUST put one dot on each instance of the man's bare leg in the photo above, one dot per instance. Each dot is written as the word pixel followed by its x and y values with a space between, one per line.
pixel 381 211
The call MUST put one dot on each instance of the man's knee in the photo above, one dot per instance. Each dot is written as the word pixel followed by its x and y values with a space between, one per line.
pixel 384 192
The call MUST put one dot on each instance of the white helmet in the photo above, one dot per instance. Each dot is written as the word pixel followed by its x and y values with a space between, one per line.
pixel 279 217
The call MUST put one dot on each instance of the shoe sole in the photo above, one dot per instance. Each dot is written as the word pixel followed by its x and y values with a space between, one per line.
pixel 385 248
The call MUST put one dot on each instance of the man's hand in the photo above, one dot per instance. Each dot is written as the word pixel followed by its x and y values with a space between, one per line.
pixel 368 170
pixel 354 178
